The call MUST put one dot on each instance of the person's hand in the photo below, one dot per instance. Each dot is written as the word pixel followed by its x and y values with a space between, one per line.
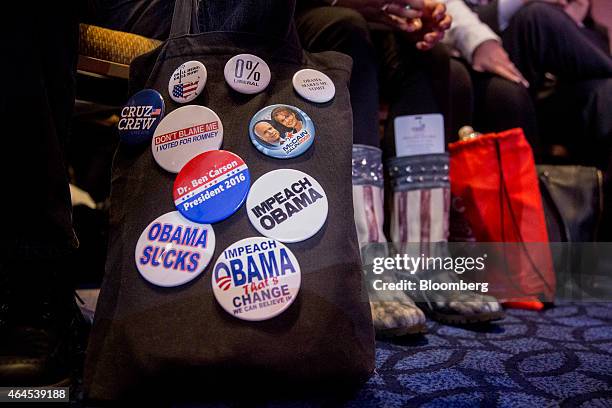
pixel 578 10
pixel 491 57
pixel 391 13
pixel 435 22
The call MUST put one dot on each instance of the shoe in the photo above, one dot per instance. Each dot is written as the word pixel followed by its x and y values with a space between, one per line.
pixel 393 313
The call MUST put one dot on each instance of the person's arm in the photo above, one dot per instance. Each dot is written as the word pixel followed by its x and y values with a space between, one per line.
pixel 467 31
pixel 479 45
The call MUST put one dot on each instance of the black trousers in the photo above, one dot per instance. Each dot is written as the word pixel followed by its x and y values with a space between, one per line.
pixel 413 82
pixel 36 107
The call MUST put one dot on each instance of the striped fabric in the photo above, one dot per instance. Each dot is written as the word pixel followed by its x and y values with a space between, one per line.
pixel 369 215
pixel 420 215
pixel 421 200
pixel 368 194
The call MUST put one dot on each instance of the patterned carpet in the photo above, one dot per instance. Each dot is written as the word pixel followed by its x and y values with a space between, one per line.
pixel 561 357
pixel 558 357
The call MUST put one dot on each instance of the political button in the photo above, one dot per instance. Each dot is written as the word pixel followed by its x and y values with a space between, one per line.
pixel 140 116
pixel 314 85
pixel 211 187
pixel 281 131
pixel 256 279
pixel 287 205
pixel 183 134
pixel 247 73
pixel 187 81
pixel 172 251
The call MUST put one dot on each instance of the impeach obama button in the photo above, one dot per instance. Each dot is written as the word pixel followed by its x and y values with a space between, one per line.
pixel 287 205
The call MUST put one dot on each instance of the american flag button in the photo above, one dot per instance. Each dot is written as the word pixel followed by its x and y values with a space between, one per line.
pixel 140 117
pixel 187 81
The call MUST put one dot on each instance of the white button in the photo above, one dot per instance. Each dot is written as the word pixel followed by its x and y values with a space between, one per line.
pixel 256 279
pixel 314 85
pixel 187 81
pixel 247 73
pixel 287 205
pixel 172 250
pixel 183 134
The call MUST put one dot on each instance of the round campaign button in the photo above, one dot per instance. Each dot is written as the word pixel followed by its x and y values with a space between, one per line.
pixel 287 205
pixel 314 85
pixel 187 81
pixel 247 73
pixel 172 251
pixel 256 279
pixel 140 116
pixel 211 187
pixel 281 131
pixel 183 134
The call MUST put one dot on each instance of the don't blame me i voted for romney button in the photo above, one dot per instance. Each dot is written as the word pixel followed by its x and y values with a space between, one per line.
pixel 256 279
pixel 211 187
pixel 183 134
pixel 172 251
pixel 287 205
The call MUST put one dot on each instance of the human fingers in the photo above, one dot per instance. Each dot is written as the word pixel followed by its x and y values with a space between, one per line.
pixel 401 11
pixel 438 12
pixel 506 71
pixel 444 24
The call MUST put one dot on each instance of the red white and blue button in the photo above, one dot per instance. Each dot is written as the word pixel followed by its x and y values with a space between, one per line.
pixel 212 186
pixel 183 134
pixel 187 81
pixel 282 131
pixel 140 116
pixel 172 251
pixel 256 279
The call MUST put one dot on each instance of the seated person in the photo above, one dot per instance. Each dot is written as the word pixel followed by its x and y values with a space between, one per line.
pixel 414 82
pixel 510 57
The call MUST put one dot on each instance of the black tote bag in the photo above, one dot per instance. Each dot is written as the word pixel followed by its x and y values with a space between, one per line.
pixel 170 340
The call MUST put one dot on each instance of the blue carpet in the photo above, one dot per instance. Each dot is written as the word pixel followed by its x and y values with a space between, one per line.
pixel 558 357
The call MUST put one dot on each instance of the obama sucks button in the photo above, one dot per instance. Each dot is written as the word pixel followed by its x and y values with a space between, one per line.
pixel 256 279
pixel 247 73
pixel 185 133
pixel 140 116
pixel 211 187
pixel 281 131
pixel 287 205
pixel 172 251
pixel 314 86
pixel 187 81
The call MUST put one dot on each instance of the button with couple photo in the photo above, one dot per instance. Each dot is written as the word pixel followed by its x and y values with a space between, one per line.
pixel 282 131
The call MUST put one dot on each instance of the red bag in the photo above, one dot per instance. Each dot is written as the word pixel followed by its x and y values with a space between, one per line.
pixel 495 187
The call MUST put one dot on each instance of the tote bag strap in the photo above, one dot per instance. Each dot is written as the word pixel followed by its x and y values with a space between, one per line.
pixel 185 18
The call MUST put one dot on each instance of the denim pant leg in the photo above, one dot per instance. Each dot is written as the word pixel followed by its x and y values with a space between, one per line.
pixel 152 18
